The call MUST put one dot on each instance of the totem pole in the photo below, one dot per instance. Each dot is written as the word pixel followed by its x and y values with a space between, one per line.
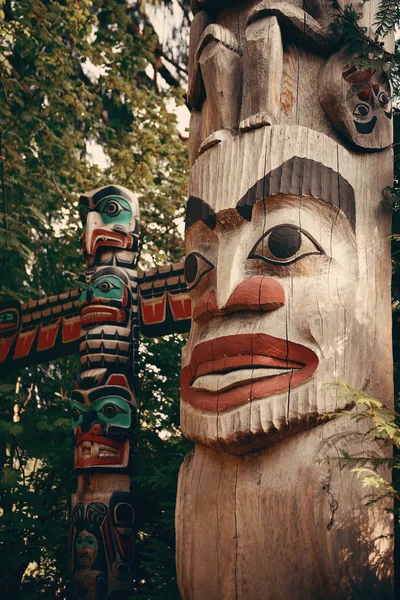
pixel 288 268
pixel 104 405
pixel 100 319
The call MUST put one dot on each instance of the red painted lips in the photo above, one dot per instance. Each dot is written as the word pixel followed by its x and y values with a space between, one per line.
pixel 119 457
pixel 100 313
pixel 231 353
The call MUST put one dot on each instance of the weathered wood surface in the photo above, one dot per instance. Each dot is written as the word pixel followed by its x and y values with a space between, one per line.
pixel 288 268
pixel 282 523
pixel 337 300
pixel 267 72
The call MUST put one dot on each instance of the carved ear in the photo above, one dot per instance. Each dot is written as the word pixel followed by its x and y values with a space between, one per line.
pixel 219 57
pixel 196 92
pixel 195 137
pixel 264 70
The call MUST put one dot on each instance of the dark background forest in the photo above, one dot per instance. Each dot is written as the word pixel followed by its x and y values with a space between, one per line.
pixel 77 76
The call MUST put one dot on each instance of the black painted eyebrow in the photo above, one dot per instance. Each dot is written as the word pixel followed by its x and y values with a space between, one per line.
pixel 110 271
pixel 84 201
pixel 111 190
pixel 302 177
pixel 198 210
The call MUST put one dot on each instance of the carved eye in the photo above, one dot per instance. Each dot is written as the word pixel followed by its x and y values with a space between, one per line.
pixel 90 542
pixel 361 110
pixel 113 208
pixel 284 245
pixel 7 317
pixel 105 286
pixel 110 410
pixel 196 266
pixel 383 98
pixel 76 414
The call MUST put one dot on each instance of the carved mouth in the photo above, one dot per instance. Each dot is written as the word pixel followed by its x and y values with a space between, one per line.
pixel 88 450
pixel 220 382
pixel 9 325
pixel 85 558
pixel 104 237
pixel 365 127
pixel 100 314
pixel 98 451
pixel 233 370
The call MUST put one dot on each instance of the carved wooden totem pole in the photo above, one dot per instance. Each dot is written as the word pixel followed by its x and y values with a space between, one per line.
pixel 101 320
pixel 104 405
pixel 288 268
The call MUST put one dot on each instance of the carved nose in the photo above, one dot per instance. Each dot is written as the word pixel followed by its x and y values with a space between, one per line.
pixel 90 423
pixel 95 430
pixel 255 294
pixel 89 294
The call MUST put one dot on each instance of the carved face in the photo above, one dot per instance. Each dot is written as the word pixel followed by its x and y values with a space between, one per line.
pixel 105 297
pixel 358 101
pixel 102 420
pixel 9 320
pixel 272 277
pixel 86 547
pixel 110 220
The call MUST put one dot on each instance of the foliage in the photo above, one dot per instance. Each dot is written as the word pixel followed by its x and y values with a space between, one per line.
pixel 75 74
pixel 383 426
pixel 160 454
pixel 36 475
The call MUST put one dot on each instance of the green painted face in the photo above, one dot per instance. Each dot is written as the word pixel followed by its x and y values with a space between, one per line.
pixel 108 287
pixel 113 210
pixel 110 410
pixel 88 540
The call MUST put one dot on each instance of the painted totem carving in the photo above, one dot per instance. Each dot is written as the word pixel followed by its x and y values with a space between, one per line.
pixel 103 404
pixel 48 328
pixel 288 269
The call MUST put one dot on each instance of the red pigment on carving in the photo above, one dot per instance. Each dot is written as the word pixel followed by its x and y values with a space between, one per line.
pixel 245 351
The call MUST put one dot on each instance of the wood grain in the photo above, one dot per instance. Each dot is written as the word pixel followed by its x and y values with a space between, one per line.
pixel 289 246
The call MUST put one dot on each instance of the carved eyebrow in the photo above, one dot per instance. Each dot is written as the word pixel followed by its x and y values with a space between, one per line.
pixel 120 274
pixel 111 190
pixel 198 210
pixel 302 177
pixel 84 201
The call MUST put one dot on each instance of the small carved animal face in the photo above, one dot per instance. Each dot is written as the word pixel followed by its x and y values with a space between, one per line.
pixel 102 420
pixel 105 297
pixel 110 220
pixel 9 320
pixel 357 99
